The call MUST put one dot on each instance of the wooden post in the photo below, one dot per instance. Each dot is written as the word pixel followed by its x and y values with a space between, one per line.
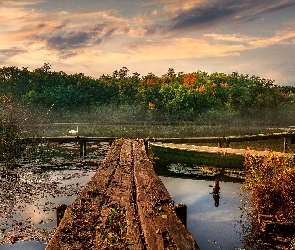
pixel 285 145
pixel 227 142
pixel 146 145
pixel 216 187
pixel 181 211
pixel 84 150
pixel 60 210
pixel 81 148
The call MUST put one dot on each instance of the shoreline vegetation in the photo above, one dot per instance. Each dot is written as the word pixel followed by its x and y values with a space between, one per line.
pixel 270 181
pixel 192 99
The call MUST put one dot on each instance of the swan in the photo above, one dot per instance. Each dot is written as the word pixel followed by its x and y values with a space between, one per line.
pixel 74 132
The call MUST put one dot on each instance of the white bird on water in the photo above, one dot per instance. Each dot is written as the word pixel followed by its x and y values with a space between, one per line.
pixel 74 132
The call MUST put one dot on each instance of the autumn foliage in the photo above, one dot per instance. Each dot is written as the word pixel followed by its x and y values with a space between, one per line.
pixel 271 181
pixel 174 96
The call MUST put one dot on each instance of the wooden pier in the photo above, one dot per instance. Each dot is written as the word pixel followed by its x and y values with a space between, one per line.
pixel 183 150
pixel 225 141
pixel 204 155
pixel 124 206
pixel 82 140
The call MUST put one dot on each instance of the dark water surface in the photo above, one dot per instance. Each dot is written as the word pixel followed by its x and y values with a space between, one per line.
pixel 28 203
pixel 212 227
pixel 29 217
pixel 25 245
pixel 213 220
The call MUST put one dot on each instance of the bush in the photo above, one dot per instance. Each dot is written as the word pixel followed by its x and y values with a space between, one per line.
pixel 271 181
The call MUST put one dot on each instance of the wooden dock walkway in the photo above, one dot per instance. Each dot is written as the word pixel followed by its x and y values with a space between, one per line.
pixel 124 206
pixel 204 155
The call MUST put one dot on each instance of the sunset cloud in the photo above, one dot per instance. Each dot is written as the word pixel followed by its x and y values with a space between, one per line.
pixel 74 36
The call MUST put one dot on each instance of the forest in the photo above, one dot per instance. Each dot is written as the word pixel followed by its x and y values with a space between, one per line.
pixel 175 96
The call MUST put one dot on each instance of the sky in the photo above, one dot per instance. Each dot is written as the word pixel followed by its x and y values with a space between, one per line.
pixel 96 37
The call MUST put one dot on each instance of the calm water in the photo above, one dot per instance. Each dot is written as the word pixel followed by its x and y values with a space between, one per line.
pixel 30 211
pixel 213 221
pixel 212 227
pixel 24 246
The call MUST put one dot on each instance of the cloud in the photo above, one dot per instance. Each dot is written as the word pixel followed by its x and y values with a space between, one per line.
pixel 64 32
pixel 279 6
pixel 69 41
pixel 208 14
pixel 208 45
pixel 9 53
pixel 182 48
pixel 201 16
pixel 65 41
pixel 20 3
pixel 284 37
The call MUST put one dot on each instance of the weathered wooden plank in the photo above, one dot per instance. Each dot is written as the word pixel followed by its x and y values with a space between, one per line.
pixel 81 222
pixel 204 155
pixel 124 206
pixel 121 195
pixel 219 139
pixel 160 225
pixel 212 139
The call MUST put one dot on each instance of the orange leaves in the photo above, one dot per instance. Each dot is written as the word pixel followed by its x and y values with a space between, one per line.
pixel 202 89
pixel 190 80
pixel 213 86
pixel 5 98
pixel 152 105
pixel 224 85
pixel 151 82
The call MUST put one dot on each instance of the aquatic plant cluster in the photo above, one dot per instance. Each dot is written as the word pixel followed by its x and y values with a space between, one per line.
pixel 116 229
pixel 172 96
pixel 271 183
pixel 31 192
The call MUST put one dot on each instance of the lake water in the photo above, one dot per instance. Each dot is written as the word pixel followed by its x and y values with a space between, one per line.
pixel 213 227
pixel 32 208
pixel 214 221
pixel 28 204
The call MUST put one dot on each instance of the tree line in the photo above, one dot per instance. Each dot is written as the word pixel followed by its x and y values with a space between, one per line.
pixel 182 95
